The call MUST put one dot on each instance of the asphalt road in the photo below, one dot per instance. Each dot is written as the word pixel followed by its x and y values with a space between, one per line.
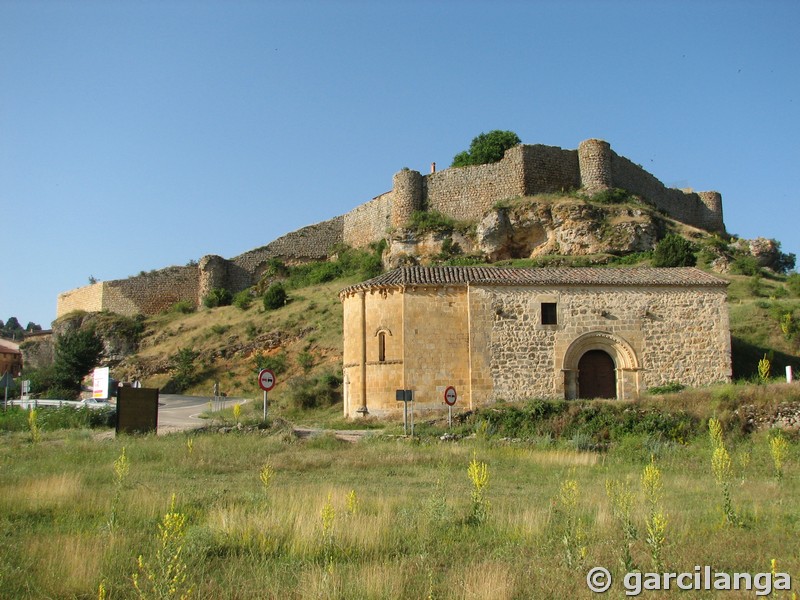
pixel 179 413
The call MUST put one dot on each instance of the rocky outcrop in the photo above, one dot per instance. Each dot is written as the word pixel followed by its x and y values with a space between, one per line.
pixel 529 229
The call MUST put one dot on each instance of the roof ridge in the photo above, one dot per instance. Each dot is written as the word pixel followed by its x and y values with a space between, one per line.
pixel 438 275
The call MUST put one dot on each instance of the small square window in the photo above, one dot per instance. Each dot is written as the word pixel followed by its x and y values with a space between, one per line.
pixel 549 313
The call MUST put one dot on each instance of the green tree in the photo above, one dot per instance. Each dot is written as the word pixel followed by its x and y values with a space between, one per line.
pixel 487 148
pixel 275 297
pixel 217 297
pixel 184 370
pixel 12 329
pixel 76 353
pixel 674 251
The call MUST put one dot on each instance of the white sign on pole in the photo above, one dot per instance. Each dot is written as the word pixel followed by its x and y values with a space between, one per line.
pixel 100 380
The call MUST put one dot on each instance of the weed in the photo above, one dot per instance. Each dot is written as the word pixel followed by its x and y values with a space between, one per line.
pixel 165 578
pixel 33 426
pixel 721 467
pixel 267 474
pixel 353 503
pixel 778 449
pixel 764 368
pixel 656 520
pixel 328 518
pixel 621 497
pixel 573 536
pixel 121 469
pixel 478 473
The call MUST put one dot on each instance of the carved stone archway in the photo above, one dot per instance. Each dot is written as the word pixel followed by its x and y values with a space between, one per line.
pixel 623 355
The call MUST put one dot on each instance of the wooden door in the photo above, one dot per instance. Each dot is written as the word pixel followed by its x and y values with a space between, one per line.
pixel 597 375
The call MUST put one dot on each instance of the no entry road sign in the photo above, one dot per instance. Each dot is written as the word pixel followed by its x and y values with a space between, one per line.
pixel 266 379
pixel 450 396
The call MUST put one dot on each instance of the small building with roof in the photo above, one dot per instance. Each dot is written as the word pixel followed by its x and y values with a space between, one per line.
pixel 497 333
pixel 10 358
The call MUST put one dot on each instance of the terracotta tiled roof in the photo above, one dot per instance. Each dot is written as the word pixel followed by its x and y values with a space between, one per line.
pixel 631 276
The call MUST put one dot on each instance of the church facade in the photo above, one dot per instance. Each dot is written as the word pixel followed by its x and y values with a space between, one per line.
pixel 496 333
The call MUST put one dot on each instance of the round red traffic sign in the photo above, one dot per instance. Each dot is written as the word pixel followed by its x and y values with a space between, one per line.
pixel 266 379
pixel 450 396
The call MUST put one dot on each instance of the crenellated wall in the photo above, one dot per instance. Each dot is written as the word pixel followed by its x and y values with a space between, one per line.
pixel 463 193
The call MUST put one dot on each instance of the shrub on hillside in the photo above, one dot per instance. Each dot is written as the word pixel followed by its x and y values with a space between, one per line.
pixel 612 196
pixel 184 371
pixel 183 307
pixel 674 251
pixel 274 362
pixel 275 297
pixel 314 392
pixel 217 297
pixel 243 300
pixel 745 265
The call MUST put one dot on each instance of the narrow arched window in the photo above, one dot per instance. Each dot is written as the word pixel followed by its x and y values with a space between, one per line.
pixel 382 346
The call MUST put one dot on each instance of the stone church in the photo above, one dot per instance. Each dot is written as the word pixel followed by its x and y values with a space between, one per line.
pixel 511 334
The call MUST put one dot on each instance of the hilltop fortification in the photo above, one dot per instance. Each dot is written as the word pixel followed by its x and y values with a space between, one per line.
pixel 464 193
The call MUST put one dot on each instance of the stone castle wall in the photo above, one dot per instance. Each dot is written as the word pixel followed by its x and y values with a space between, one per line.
pixel 148 293
pixel 464 193
pixel 368 222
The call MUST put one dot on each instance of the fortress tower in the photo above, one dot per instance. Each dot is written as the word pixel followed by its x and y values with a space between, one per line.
pixel 407 187
pixel 594 160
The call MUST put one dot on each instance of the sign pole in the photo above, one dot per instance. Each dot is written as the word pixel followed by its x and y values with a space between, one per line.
pixel 450 397
pixel 266 381
pixel 412 416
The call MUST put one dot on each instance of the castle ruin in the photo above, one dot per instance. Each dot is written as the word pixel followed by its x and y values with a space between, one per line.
pixel 463 193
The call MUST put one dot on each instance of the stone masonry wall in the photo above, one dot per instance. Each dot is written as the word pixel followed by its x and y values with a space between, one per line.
pixel 88 298
pixel 678 335
pixel 151 293
pixel 468 192
pixel 685 207
pixel 549 169
pixel 368 222
pixel 313 242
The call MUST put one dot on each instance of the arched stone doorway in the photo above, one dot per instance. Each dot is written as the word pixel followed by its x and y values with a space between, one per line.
pixel 599 364
pixel 597 375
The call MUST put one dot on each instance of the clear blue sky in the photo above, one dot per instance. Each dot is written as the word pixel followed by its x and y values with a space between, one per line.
pixel 138 135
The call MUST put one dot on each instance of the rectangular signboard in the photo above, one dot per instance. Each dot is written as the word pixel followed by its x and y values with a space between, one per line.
pixel 137 410
pixel 404 395
pixel 100 383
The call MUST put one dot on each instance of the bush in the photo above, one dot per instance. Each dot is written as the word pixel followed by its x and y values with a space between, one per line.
pixel 423 221
pixel 306 360
pixel 275 297
pixel 217 297
pixel 612 196
pixel 669 388
pixel 183 307
pixel 243 300
pixel 275 362
pixel 487 148
pixel 674 251
pixel 745 265
pixel 184 371
pixel 305 393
